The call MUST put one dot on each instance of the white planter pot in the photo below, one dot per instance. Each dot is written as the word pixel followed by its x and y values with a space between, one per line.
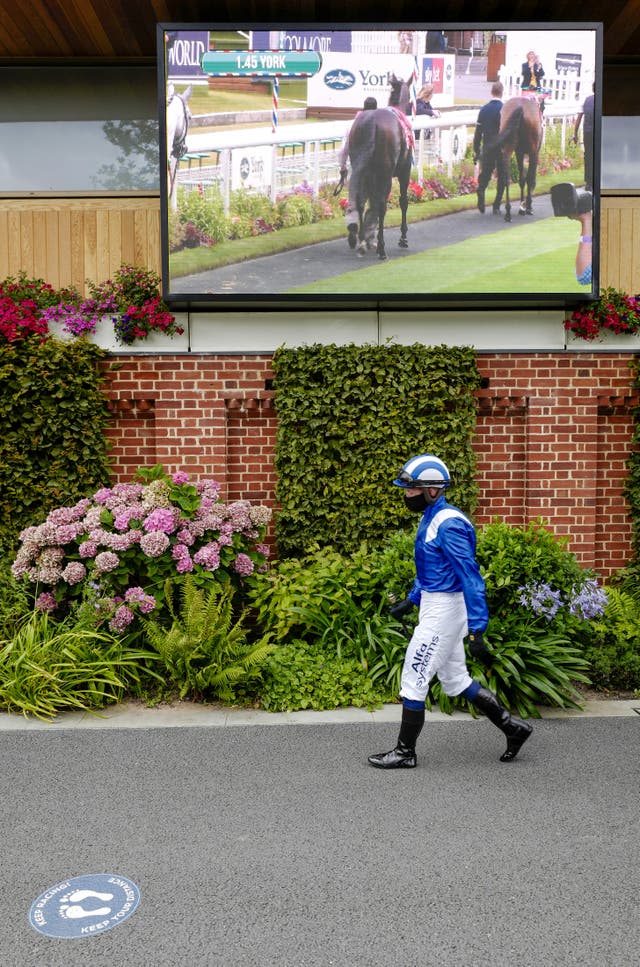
pixel 606 342
pixel 156 342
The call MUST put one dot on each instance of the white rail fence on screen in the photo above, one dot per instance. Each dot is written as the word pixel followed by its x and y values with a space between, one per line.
pixel 309 153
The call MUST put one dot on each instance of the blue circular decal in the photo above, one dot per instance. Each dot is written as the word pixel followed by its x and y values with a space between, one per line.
pixel 84 906
pixel 339 80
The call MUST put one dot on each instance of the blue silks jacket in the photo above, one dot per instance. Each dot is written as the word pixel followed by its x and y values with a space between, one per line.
pixel 445 556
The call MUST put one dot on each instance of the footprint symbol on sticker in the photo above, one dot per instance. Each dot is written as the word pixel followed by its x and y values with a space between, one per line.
pixel 70 904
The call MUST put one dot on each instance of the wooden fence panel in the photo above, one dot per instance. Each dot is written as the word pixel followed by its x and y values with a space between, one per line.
pixel 69 240
pixel 620 242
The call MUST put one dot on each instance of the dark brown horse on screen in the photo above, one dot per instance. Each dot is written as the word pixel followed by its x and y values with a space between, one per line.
pixel 520 134
pixel 380 148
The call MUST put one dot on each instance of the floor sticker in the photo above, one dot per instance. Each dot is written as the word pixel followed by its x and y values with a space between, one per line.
pixel 84 905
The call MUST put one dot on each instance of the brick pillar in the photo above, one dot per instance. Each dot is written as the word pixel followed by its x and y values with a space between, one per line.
pixel 562 464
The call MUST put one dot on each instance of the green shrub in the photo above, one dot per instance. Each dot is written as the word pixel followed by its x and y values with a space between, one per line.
pixel 511 558
pixel 298 676
pixel 297 209
pixel 205 211
pixel 338 606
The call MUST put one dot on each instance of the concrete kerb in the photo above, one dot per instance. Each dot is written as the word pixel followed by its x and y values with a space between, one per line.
pixel 133 715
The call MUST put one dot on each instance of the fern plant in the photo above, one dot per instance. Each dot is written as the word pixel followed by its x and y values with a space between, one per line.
pixel 614 652
pixel 205 650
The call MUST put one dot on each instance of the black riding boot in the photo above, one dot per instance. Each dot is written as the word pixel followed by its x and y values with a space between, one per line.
pixel 404 754
pixel 516 731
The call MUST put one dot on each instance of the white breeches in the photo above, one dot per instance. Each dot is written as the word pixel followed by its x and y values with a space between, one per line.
pixel 436 647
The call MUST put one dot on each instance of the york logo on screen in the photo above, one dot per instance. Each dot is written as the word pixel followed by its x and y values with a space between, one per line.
pixel 339 80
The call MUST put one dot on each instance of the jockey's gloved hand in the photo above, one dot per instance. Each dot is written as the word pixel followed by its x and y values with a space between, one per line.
pixel 400 609
pixel 477 647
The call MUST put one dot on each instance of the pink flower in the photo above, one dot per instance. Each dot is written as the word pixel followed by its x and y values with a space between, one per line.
pixel 106 561
pixel 68 532
pixel 46 601
pixel 208 557
pixel 243 565
pixel 122 619
pixel 146 602
pixel 160 519
pixel 88 549
pixel 74 572
pixel 155 543
pixel 180 477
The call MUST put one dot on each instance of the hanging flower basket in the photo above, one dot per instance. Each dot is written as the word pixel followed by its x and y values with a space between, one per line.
pixel 614 312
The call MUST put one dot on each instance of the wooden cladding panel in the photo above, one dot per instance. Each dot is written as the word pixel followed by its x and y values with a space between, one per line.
pixel 69 240
pixel 620 243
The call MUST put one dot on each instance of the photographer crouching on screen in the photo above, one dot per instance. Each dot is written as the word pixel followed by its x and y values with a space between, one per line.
pixel 571 202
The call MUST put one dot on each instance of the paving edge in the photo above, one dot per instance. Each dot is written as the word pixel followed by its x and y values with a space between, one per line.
pixel 133 715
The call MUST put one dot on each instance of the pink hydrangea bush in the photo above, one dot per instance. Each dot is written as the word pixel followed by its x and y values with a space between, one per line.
pixel 117 549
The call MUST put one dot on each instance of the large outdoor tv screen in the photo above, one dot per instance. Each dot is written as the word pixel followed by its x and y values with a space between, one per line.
pixel 410 165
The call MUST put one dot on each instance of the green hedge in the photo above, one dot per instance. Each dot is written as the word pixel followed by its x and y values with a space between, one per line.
pixel 348 418
pixel 53 448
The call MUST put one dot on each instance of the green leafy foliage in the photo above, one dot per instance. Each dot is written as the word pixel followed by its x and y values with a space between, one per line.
pixel 204 650
pixel 298 676
pixel 532 666
pixel 53 448
pixel 512 557
pixel 614 650
pixel 47 667
pixel 348 418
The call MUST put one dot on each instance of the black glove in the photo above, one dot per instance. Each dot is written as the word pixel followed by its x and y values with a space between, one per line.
pixel 401 608
pixel 477 647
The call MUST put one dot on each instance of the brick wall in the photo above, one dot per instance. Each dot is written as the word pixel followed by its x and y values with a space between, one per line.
pixel 553 435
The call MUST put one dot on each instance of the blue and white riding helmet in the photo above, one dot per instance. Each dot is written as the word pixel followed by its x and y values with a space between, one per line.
pixel 425 470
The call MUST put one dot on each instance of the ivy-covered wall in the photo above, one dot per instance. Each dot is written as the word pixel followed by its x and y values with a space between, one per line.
pixel 53 445
pixel 348 418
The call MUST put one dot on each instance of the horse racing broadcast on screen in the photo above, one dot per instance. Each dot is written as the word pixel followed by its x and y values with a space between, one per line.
pixel 380 166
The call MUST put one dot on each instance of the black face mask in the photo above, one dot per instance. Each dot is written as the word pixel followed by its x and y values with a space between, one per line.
pixel 417 503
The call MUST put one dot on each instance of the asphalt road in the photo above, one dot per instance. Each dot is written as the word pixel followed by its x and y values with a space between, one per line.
pixel 281 273
pixel 278 846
